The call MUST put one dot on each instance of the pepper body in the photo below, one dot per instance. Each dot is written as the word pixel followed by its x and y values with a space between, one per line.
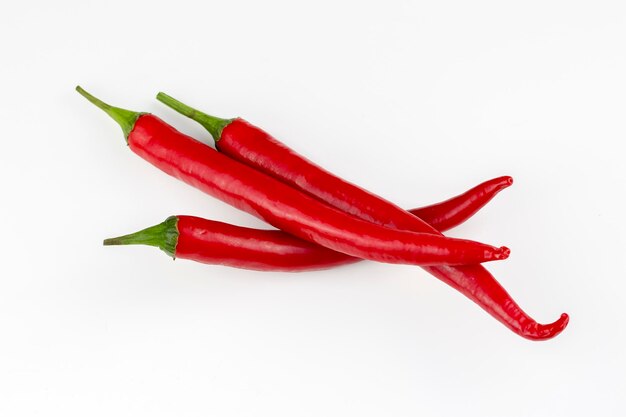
pixel 290 210
pixel 219 243
pixel 250 145
pixel 216 243
pixel 256 148
pixel 454 211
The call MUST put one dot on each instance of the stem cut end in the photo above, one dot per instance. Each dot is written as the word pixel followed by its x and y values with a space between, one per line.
pixel 214 125
pixel 125 118
pixel 163 236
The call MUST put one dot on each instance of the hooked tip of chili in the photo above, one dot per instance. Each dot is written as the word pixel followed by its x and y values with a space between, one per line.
pixel 163 236
pixel 538 331
pixel 215 125
pixel 125 118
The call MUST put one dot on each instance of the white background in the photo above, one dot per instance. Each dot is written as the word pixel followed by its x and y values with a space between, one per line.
pixel 416 101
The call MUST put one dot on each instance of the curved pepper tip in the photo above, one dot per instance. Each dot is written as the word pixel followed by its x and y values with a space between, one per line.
pixel 546 331
pixel 500 183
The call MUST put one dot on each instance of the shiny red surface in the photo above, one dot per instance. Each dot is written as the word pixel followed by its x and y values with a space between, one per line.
pixel 256 148
pixel 219 243
pixel 290 210
pixel 454 211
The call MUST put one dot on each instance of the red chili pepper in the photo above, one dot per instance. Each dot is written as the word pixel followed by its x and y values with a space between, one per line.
pixel 218 243
pixel 282 206
pixel 256 148
pixel 454 211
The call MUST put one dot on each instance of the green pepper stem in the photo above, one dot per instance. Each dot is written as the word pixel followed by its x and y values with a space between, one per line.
pixel 125 118
pixel 163 236
pixel 213 124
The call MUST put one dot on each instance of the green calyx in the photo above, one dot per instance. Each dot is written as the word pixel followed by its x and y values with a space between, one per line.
pixel 125 118
pixel 163 236
pixel 213 124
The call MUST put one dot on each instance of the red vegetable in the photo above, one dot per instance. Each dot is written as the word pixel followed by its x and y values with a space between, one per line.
pixel 282 206
pixel 218 243
pixel 251 145
pixel 450 213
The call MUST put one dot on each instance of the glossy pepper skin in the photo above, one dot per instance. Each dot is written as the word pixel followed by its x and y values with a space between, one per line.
pixel 251 145
pixel 216 243
pixel 454 211
pixel 283 206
